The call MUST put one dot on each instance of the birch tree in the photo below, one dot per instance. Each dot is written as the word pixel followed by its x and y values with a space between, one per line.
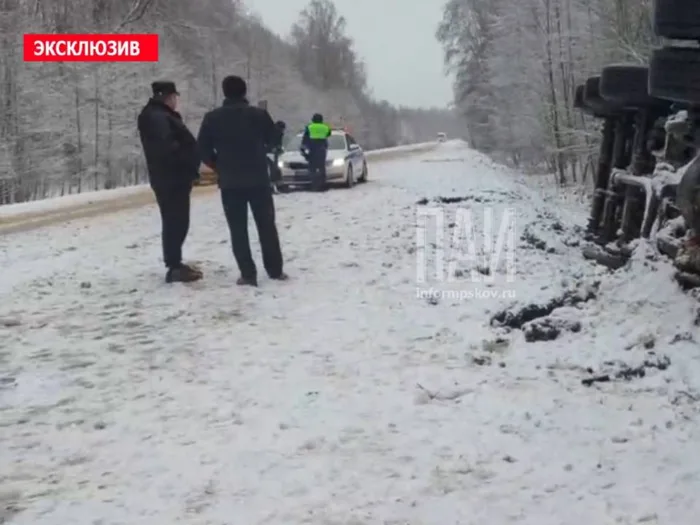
pixel 517 63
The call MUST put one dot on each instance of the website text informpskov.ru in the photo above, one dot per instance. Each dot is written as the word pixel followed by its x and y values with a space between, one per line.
pixel 468 294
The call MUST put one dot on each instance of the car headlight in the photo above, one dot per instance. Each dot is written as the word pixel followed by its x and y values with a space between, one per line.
pixel 280 164
pixel 338 162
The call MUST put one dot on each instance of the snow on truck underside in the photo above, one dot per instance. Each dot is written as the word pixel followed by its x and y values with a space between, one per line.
pixel 352 393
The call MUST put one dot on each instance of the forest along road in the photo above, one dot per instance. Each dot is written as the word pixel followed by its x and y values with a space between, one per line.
pixel 28 216
pixel 351 393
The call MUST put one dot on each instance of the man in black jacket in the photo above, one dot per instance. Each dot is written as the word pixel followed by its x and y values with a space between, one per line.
pixel 173 162
pixel 234 140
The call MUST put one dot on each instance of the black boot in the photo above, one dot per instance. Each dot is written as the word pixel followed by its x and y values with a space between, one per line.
pixel 182 274
pixel 247 281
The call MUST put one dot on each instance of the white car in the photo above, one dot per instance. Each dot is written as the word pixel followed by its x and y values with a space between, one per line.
pixel 345 164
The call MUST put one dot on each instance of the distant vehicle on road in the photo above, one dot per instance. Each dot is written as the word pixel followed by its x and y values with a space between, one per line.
pixel 346 162
pixel 442 137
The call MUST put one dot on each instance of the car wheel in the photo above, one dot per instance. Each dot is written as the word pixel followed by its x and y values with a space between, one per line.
pixel 363 175
pixel 349 177
pixel 677 19
pixel 674 74
pixel 283 188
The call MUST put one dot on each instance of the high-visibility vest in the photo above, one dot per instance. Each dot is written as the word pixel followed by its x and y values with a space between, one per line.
pixel 319 131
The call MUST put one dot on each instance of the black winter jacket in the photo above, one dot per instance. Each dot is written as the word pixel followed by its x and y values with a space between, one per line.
pixel 170 148
pixel 234 141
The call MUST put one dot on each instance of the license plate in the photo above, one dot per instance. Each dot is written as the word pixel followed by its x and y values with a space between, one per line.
pixel 300 174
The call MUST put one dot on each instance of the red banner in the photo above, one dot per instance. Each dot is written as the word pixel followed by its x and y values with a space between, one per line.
pixel 91 48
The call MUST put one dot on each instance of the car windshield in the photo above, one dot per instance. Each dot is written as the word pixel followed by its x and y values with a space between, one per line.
pixel 334 142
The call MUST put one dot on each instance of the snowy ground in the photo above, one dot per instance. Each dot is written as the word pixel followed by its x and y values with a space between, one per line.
pixel 339 397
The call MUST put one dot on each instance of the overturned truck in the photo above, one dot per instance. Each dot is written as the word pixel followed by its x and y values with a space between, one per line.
pixel 648 174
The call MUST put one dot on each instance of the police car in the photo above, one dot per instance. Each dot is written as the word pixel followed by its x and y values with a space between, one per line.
pixel 346 163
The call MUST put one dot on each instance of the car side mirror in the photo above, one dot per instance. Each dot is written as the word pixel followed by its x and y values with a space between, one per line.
pixel 354 147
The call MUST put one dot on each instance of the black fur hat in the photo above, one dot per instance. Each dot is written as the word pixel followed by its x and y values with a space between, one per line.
pixel 162 88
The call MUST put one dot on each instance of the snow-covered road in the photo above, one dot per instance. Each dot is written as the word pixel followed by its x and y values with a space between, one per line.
pixel 341 397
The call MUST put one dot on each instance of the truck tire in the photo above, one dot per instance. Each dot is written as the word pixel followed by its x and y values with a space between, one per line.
pixel 626 85
pixel 677 19
pixel 580 103
pixel 594 104
pixel 674 74
pixel 688 196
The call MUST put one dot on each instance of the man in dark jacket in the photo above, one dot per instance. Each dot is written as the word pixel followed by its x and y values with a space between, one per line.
pixel 234 140
pixel 314 146
pixel 173 162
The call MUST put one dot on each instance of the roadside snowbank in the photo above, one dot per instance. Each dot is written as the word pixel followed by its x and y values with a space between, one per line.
pixel 13 211
pixel 10 211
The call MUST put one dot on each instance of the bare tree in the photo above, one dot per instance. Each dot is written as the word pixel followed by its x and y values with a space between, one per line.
pixel 324 52
pixel 517 64
pixel 71 127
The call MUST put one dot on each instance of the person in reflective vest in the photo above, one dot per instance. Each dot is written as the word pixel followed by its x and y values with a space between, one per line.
pixel 314 147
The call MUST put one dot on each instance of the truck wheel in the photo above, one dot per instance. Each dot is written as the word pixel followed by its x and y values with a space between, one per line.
pixel 688 196
pixel 580 103
pixel 625 85
pixel 677 19
pixel 674 74
pixel 594 104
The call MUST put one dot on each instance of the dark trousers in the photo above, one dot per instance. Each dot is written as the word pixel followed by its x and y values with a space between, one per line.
pixel 174 205
pixel 262 205
pixel 317 166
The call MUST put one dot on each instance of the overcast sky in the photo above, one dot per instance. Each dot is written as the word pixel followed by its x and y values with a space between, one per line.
pixel 396 39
